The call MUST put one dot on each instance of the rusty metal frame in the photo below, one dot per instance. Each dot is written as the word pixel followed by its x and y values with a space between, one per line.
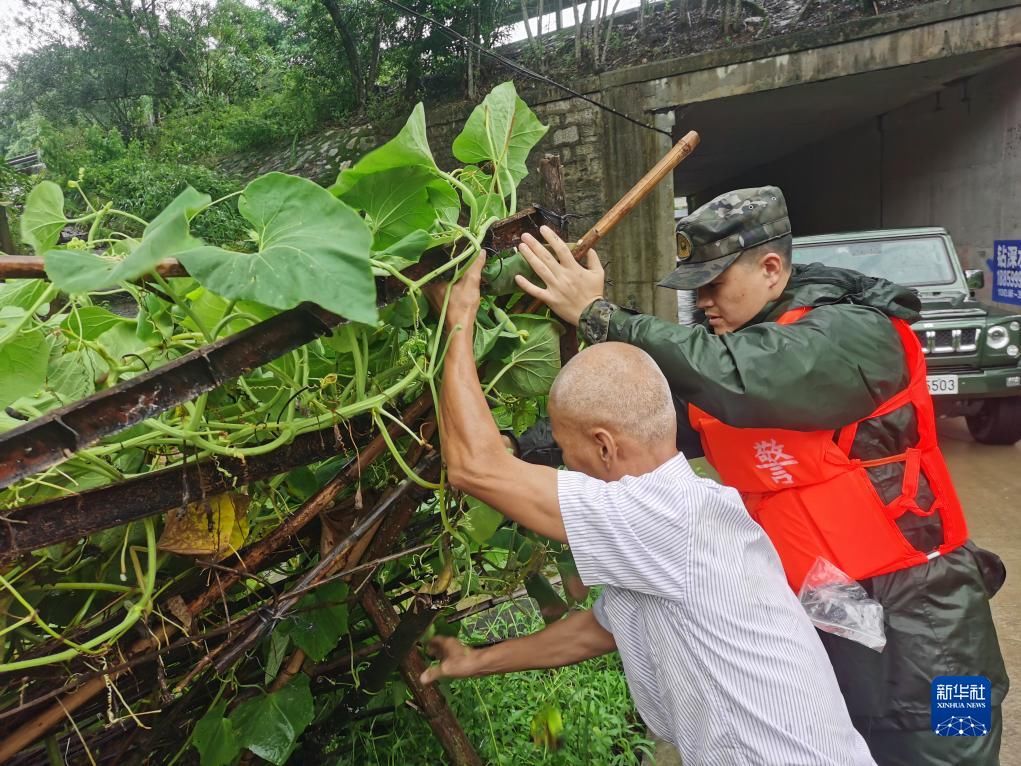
pixel 70 518
pixel 382 613
pixel 57 435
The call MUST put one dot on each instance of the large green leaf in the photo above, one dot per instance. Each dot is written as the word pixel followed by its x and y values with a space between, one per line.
pixel 480 521
pixel 22 366
pixel 270 724
pixel 121 340
pixel 409 148
pixel 188 203
pixel 502 130
pixel 215 739
pixel 499 272
pixel 396 203
pixel 89 322
pixel 445 202
pixel 22 293
pixel 319 620
pixel 312 247
pixel 208 308
pixel 12 319
pixel 407 251
pixel 511 540
pixel 486 337
pixel 72 376
pixel 154 324
pixel 535 361
pixel 167 236
pixel 487 202
pixel 275 654
pixel 484 340
pixel 43 219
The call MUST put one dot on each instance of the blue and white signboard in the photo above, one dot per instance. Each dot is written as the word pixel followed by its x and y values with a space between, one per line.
pixel 1006 267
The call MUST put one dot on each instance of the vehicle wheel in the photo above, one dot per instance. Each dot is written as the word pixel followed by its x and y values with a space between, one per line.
pixel 998 422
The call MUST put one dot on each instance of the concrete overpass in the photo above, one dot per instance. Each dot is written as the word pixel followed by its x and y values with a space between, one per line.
pixel 912 118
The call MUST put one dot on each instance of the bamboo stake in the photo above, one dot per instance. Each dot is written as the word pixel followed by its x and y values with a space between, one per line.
pixel 680 151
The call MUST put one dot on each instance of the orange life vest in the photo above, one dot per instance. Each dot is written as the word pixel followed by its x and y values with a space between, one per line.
pixel 813 499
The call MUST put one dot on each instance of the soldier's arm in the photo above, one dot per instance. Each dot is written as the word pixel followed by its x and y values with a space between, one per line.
pixel 834 366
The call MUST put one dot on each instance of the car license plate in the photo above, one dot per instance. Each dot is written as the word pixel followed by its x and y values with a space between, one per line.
pixel 942 385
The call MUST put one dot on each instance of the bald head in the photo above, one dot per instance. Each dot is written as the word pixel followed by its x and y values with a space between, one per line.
pixel 616 387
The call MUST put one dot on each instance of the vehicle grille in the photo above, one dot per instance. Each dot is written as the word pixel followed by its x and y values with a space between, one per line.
pixel 944 342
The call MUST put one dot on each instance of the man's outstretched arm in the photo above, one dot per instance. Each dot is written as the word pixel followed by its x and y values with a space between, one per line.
pixel 766 375
pixel 477 461
pixel 576 638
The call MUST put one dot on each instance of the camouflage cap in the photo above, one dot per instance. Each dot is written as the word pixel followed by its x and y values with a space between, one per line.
pixel 715 235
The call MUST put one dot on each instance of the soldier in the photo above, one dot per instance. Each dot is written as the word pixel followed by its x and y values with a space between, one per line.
pixel 806 388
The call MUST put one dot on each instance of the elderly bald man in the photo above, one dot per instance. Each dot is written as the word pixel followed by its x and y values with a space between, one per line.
pixel 719 655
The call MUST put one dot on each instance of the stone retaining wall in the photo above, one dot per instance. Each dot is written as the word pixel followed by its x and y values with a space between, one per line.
pixel 319 156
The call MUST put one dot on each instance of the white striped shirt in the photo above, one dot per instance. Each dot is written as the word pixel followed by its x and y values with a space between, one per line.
pixel 720 657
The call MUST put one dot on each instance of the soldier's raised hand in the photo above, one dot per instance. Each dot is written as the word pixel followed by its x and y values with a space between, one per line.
pixel 570 286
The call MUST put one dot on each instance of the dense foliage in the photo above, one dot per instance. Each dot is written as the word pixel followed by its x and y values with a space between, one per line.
pixel 194 81
pixel 66 607
pixel 600 725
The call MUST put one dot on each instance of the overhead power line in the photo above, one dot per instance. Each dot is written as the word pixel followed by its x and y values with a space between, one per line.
pixel 513 65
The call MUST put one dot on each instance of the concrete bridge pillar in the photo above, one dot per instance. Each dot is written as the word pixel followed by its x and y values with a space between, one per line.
pixel 642 249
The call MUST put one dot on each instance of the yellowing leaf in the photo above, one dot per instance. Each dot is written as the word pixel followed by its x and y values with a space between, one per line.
pixel 548 728
pixel 215 526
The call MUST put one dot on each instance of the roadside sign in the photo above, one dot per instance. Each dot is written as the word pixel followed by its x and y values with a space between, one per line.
pixel 1006 268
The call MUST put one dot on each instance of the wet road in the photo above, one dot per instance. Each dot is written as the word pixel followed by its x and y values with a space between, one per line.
pixel 988 480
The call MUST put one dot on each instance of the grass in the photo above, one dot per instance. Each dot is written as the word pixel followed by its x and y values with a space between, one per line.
pixel 600 723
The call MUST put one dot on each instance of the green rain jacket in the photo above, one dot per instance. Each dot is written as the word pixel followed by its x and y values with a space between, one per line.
pixel 831 368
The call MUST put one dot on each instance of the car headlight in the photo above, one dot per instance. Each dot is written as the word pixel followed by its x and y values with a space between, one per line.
pixel 997 337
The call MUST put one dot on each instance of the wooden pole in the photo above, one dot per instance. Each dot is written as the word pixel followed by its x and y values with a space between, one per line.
pixel 680 151
pixel 637 193
pixel 32 266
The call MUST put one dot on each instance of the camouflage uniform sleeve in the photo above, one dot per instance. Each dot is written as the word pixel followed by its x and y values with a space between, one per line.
pixel 594 322
pixel 834 366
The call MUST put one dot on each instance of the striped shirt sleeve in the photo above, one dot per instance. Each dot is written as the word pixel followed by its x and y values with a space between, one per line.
pixel 626 533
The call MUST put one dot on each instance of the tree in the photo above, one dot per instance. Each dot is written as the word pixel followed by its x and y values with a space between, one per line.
pixel 126 59
pixel 350 47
